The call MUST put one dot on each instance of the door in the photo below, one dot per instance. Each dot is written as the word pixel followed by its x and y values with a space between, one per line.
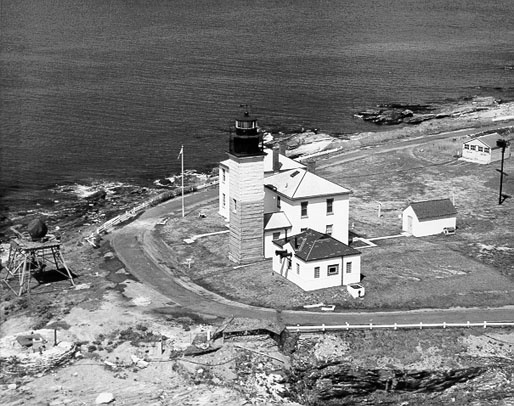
pixel 409 224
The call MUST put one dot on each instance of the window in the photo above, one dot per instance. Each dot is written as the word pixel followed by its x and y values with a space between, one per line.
pixel 289 263
pixel 279 203
pixel 480 149
pixel 224 200
pixel 223 175
pixel 473 147
pixel 304 209
pixel 234 205
pixel 298 269
pixel 329 229
pixel 486 150
pixel 348 267
pixel 276 235
pixel 316 272
pixel 333 270
pixel 466 146
pixel 330 204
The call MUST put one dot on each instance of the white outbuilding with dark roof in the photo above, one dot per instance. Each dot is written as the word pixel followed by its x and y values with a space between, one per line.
pixel 429 217
pixel 313 260
pixel 484 150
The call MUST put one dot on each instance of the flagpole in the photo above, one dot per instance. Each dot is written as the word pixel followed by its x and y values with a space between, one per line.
pixel 182 156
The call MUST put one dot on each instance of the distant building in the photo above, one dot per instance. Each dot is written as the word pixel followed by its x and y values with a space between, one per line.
pixel 429 217
pixel 313 260
pixel 484 150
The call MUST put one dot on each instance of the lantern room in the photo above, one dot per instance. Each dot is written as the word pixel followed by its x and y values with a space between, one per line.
pixel 247 140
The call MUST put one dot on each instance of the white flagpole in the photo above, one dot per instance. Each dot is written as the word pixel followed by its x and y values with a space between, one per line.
pixel 182 155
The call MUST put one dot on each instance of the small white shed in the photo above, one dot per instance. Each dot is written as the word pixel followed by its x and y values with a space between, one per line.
pixel 484 150
pixel 429 217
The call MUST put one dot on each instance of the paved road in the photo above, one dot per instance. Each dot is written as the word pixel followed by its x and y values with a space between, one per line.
pixel 145 256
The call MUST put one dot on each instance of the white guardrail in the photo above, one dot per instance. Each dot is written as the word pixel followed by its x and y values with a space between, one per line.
pixel 395 326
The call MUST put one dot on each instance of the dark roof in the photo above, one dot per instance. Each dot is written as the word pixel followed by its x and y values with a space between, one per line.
pixel 433 209
pixel 312 245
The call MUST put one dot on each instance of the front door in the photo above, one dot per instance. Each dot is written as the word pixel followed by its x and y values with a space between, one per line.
pixel 409 224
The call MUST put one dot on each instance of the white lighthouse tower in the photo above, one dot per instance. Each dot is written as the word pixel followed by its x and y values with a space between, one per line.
pixel 246 168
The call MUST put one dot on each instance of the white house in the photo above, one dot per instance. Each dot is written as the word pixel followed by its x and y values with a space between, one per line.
pixel 307 201
pixel 484 150
pixel 429 217
pixel 313 260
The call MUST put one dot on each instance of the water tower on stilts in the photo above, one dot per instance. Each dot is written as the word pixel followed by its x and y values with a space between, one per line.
pixel 246 168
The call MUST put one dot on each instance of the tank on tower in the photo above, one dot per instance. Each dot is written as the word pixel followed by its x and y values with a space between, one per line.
pixel 247 140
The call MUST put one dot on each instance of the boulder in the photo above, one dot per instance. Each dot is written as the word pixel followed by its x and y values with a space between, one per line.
pixel 104 398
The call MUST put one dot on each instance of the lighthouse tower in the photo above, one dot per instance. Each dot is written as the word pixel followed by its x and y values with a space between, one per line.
pixel 246 168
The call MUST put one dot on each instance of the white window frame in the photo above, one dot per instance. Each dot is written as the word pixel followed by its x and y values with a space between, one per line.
pixel 329 229
pixel 304 207
pixel 333 270
pixel 317 272
pixel 349 267
pixel 330 206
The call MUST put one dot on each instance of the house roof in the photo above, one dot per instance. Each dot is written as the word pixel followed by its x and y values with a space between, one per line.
pixel 273 221
pixel 433 209
pixel 285 162
pixel 312 245
pixel 299 183
pixel 488 140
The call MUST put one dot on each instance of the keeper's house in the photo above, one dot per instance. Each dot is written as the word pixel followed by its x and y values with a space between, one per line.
pixel 484 150
pixel 313 260
pixel 429 217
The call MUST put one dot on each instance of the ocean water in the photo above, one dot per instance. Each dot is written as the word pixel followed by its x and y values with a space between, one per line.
pixel 110 90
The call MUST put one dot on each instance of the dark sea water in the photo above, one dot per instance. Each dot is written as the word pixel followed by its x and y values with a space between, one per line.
pixel 109 90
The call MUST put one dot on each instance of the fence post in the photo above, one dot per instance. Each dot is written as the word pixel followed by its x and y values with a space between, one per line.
pixel 347 326
pixel 444 325
pixel 323 327
pixel 371 326
pixel 395 326
pixel 468 323
pixel 485 324
pixel 421 325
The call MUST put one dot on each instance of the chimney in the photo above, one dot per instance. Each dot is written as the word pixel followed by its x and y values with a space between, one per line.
pixel 276 159
pixel 311 165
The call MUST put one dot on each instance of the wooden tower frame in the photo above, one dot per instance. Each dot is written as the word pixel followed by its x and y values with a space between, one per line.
pixel 27 258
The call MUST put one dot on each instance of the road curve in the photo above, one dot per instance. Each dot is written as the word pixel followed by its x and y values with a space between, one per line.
pixel 145 256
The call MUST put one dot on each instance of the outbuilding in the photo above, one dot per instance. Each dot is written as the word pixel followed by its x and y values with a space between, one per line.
pixel 429 217
pixel 313 260
pixel 484 150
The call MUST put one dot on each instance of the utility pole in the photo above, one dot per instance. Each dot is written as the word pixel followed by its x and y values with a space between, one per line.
pixel 502 144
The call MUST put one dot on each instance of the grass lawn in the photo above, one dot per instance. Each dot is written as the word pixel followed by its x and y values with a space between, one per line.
pixel 474 267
